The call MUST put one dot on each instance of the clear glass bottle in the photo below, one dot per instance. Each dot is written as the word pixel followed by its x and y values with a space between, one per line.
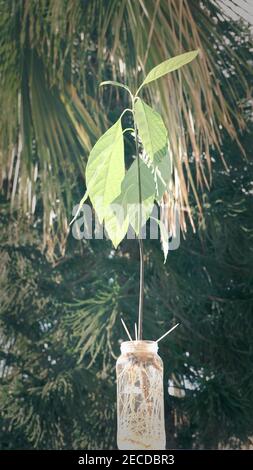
pixel 140 401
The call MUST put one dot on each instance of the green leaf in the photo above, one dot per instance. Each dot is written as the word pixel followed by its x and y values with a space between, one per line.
pixel 152 131
pixel 116 226
pixel 169 65
pixel 86 195
pixel 134 215
pixel 164 240
pixel 105 169
pixel 153 134
pixel 164 237
pixel 162 175
pixel 129 187
pixel 129 196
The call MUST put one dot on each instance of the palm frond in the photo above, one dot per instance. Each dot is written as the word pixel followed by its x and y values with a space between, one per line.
pixel 55 53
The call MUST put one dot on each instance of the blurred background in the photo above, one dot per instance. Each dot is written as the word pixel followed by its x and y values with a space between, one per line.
pixel 61 300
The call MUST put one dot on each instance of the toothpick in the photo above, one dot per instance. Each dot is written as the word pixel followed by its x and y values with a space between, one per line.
pixel 136 334
pixel 127 332
pixel 165 334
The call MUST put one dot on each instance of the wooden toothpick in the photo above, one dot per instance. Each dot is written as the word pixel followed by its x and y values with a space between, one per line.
pixel 165 334
pixel 127 332
pixel 136 334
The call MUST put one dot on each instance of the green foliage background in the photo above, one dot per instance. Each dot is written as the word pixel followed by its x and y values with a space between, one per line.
pixel 60 327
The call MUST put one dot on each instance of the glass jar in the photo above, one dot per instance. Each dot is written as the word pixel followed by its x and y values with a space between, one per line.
pixel 140 402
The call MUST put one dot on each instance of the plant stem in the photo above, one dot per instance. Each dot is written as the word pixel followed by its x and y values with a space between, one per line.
pixel 141 291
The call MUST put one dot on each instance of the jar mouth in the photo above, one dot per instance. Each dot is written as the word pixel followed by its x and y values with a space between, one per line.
pixel 139 346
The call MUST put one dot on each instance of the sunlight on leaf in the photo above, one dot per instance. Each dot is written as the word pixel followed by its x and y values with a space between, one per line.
pixel 169 66
pixel 152 131
pixel 105 169
pixel 116 224
pixel 153 134
pixel 164 237
pixel 129 196
pixel 162 176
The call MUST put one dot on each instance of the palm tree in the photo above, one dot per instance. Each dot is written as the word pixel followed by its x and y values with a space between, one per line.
pixel 54 53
